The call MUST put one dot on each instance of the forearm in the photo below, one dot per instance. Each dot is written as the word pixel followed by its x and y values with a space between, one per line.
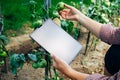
pixel 110 34
pixel 74 75
pixel 90 24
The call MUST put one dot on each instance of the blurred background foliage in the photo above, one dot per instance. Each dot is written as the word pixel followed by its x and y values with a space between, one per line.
pixel 18 12
pixel 15 12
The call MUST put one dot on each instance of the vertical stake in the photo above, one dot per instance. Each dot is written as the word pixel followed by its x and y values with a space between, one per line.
pixel 1 21
pixel 47 4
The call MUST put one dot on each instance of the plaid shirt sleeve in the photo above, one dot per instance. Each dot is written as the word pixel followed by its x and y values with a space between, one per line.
pixel 109 34
pixel 103 77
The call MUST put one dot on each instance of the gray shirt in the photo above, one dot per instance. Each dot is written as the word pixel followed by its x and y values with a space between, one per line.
pixel 110 35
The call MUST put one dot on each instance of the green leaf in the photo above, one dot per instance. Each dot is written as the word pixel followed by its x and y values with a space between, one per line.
pixel 21 63
pixel 61 79
pixel 42 63
pixel 37 23
pixel 32 2
pixel 4 39
pixel 32 57
pixel 14 58
pixel 39 56
pixel 67 25
pixel 56 73
pixel 76 33
pixel 88 2
pixel 3 54
pixel 22 57
pixel 111 0
pixel 16 61
pixel 70 27
pixel 1 62
pixel 39 64
pixel 35 65
pixel 64 24
pixel 103 16
pixel 14 70
pixel 55 14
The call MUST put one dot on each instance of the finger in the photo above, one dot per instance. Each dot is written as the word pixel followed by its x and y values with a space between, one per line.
pixel 52 55
pixel 67 6
pixel 65 10
pixel 64 13
pixel 54 64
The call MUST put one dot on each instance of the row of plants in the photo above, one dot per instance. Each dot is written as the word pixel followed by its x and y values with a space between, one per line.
pixel 103 11
pixel 40 58
pixel 24 11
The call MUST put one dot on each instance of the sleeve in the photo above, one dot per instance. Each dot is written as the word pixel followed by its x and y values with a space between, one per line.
pixel 103 77
pixel 109 34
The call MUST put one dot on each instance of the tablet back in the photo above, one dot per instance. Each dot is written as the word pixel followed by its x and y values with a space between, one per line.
pixel 56 41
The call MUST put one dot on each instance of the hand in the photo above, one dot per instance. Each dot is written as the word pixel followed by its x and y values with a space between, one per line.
pixel 67 70
pixel 60 65
pixel 71 13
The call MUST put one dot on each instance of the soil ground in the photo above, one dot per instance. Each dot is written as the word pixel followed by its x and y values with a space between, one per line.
pixel 92 62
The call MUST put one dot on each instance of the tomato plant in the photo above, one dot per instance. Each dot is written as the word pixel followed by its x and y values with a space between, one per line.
pixel 3 41
pixel 3 52
pixel 103 11
pixel 36 57
pixel 16 61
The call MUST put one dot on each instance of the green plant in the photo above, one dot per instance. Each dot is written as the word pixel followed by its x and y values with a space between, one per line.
pixel 67 25
pixel 98 11
pixel 17 12
pixel 3 52
pixel 37 59
pixel 3 41
pixel 16 61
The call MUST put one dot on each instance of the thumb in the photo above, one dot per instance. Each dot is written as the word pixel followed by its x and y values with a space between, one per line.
pixel 70 17
pixel 55 61
pixel 54 57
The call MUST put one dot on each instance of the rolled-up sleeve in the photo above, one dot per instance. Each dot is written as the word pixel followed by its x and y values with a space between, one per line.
pixel 103 77
pixel 109 34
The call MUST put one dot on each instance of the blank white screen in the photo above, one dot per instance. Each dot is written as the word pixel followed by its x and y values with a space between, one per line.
pixel 56 41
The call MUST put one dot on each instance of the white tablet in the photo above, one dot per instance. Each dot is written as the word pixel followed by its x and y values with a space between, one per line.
pixel 56 41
